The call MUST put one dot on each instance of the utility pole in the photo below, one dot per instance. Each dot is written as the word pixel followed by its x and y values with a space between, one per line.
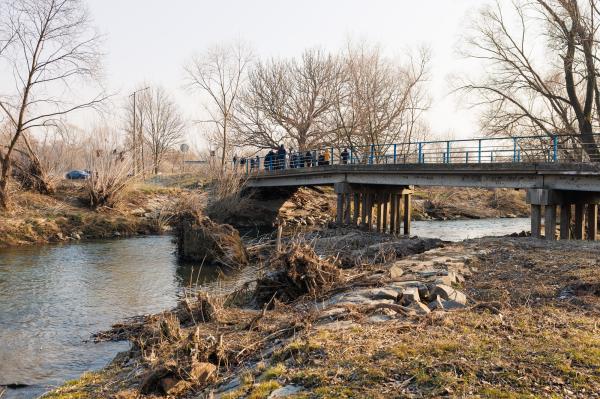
pixel 137 137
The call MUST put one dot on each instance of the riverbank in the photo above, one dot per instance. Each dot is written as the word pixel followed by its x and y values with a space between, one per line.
pixel 510 317
pixel 65 216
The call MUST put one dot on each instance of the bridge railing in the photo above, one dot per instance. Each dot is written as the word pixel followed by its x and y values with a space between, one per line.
pixel 526 149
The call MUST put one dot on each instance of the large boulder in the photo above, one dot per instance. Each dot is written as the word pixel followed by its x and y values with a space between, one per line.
pixel 199 239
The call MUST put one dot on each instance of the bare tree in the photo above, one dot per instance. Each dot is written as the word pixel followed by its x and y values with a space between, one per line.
pixel 528 91
pixel 380 101
pixel 220 73
pixel 163 126
pixel 53 47
pixel 291 98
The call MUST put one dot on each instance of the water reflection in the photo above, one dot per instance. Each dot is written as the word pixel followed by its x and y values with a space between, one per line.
pixel 53 297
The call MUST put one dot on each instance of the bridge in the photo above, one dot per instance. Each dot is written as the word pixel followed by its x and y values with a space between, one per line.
pixel 374 184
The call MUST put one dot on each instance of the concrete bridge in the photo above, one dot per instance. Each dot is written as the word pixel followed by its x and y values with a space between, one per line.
pixel 374 188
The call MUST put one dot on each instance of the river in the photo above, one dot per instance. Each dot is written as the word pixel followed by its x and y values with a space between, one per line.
pixel 52 298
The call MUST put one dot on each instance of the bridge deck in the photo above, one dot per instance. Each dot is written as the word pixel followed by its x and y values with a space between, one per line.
pixel 557 176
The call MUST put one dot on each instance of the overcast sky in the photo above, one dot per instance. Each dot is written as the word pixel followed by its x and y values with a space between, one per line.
pixel 150 40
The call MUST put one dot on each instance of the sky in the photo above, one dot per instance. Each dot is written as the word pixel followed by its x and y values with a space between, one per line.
pixel 151 40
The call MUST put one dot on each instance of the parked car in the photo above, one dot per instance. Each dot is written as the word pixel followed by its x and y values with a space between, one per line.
pixel 78 175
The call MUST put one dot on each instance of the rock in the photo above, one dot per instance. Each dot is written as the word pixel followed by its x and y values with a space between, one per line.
pixel 432 273
pixel 448 293
pixel 332 313
pixel 436 304
pixel 202 373
pixel 116 234
pixel 396 272
pixel 410 295
pixel 285 391
pixel 230 386
pixel 76 236
pixel 453 305
pixel 420 308
pixel 200 239
pixel 378 293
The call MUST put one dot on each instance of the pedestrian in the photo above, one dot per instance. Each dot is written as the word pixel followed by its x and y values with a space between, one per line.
pixel 235 159
pixel 326 157
pixel 345 155
pixel 308 159
pixel 320 159
pixel 270 160
pixel 257 162
pixel 281 152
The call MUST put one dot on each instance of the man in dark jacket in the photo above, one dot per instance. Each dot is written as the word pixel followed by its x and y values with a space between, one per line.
pixel 281 152
pixel 345 155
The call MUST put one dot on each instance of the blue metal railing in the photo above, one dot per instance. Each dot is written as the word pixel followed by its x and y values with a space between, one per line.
pixel 526 149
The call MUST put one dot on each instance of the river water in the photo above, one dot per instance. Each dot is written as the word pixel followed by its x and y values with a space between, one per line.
pixel 52 298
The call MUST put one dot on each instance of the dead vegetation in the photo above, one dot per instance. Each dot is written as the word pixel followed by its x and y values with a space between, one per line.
pixel 294 272
pixel 532 333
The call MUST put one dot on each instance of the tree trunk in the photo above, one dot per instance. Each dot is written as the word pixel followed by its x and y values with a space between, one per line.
pixel 4 197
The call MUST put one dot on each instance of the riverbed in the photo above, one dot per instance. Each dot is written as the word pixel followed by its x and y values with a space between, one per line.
pixel 52 298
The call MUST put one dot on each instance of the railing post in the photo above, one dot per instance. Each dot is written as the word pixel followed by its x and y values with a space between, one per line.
pixel 447 152
pixel 514 150
pixel 351 152
pixel 395 148
pixel 420 152
pixel 479 153
pixel 555 147
pixel 467 157
pixel 372 154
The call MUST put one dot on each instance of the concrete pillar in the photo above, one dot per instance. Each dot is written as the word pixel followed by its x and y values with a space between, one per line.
pixel 386 199
pixel 565 221
pixel 398 213
pixel 370 211
pixel 579 232
pixel 592 217
pixel 356 209
pixel 340 209
pixel 347 208
pixel 536 221
pixel 407 213
pixel 363 214
pixel 550 222
pixel 393 214
pixel 378 199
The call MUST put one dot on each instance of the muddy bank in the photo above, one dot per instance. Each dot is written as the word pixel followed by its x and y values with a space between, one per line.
pixel 65 215
pixel 489 317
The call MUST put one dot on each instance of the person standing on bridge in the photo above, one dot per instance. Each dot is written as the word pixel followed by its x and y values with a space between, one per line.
pixel 326 157
pixel 345 155
pixel 281 152
pixel 308 159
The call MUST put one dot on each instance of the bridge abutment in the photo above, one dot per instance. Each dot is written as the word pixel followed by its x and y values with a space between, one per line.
pixel 583 226
pixel 385 209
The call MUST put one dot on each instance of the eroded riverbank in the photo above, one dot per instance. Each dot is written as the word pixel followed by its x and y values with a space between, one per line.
pixel 528 326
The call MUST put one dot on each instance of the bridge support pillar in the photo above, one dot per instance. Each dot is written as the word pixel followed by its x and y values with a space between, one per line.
pixel 356 209
pixel 347 208
pixel 550 199
pixel 592 222
pixel 579 232
pixel 550 222
pixel 536 221
pixel 407 213
pixel 565 221
pixel 393 216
